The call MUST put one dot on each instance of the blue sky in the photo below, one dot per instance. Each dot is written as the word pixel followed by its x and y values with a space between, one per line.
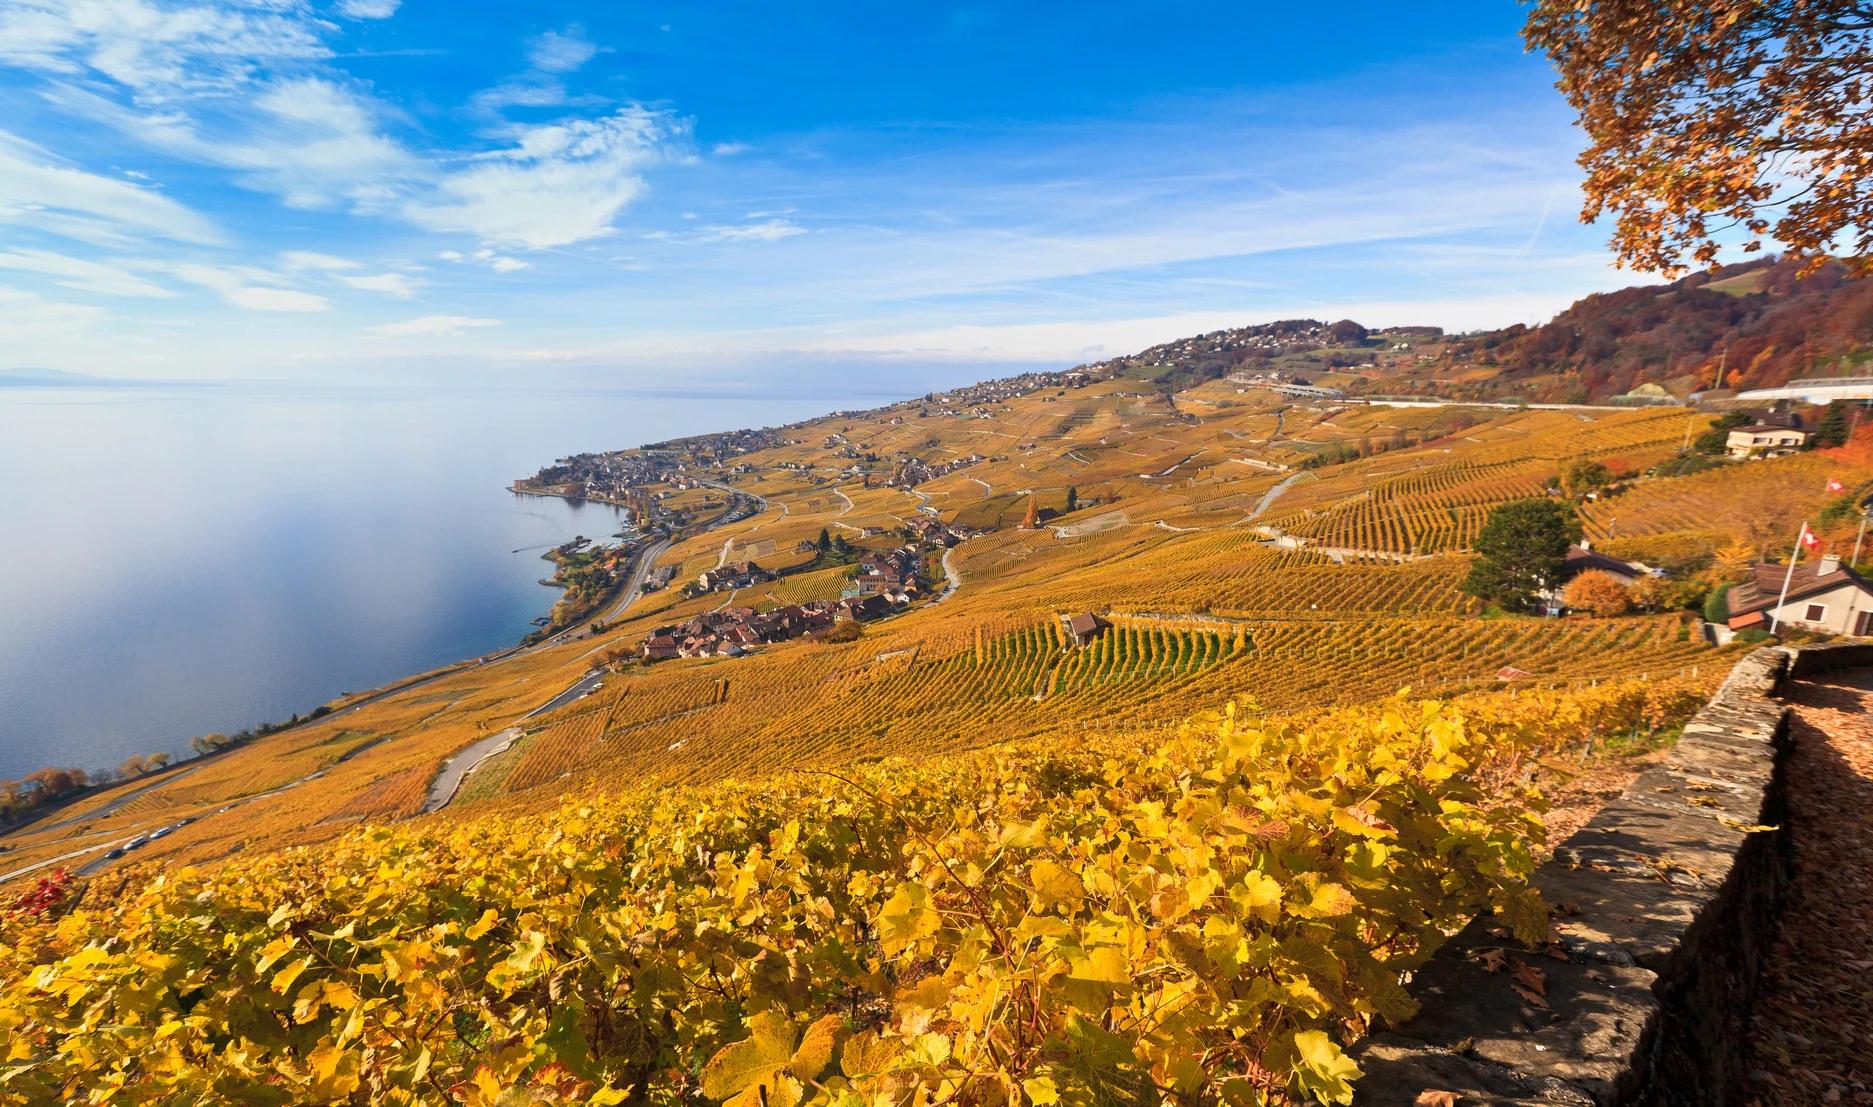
pixel 368 190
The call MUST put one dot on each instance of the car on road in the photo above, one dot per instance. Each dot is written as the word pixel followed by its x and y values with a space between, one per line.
pixel 161 832
pixel 136 843
pixel 114 854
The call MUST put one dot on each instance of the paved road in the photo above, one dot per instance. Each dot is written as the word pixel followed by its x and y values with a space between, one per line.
pixel 1270 496
pixel 112 807
pixel 455 769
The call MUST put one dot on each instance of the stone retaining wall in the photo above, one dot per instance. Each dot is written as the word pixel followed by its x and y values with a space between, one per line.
pixel 1665 904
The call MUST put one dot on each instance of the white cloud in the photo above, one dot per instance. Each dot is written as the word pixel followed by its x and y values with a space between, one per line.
pixel 729 149
pixel 245 286
pixel 558 184
pixel 311 259
pixel 29 317
pixel 433 326
pixel 561 51
pixel 158 52
pixel 368 9
pixel 391 284
pixel 500 263
pixel 767 230
pixel 85 205
pixel 81 275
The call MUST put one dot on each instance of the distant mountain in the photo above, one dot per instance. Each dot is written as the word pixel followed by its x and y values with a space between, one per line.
pixel 48 378
pixel 1755 325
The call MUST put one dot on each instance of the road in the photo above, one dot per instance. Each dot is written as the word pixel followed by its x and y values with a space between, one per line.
pixel 954 574
pixel 456 769
pixel 1269 497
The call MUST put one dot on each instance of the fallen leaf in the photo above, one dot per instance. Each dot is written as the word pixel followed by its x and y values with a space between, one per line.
pixel 1530 977
pixel 1494 960
pixel 1431 1098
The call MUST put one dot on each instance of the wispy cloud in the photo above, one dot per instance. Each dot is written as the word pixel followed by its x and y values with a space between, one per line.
pixel 561 51
pixel 390 284
pixel 556 184
pixel 82 275
pixel 246 287
pixel 433 326
pixel 311 259
pixel 764 230
pixel 35 182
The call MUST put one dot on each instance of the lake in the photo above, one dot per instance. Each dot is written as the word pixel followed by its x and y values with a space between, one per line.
pixel 176 560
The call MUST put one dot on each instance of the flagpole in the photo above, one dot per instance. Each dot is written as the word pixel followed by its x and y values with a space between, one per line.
pixel 1858 538
pixel 1787 578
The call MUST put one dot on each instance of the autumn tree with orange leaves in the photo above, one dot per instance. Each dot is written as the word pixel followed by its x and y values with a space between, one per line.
pixel 1714 121
pixel 1598 593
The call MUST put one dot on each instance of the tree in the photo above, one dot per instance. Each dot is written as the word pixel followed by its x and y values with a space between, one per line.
pixel 824 542
pixel 1834 427
pixel 1520 552
pixel 1706 116
pixel 1597 592
pixel 1717 605
pixel 134 765
pixel 1073 498
pixel 1716 440
pixel 1032 519
pixel 1585 476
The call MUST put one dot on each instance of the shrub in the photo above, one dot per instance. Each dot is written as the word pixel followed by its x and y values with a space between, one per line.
pixel 1598 593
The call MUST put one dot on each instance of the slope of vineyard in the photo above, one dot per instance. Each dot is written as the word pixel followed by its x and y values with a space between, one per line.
pixel 1205 915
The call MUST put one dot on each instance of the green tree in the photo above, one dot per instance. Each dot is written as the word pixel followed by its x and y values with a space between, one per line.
pixel 1833 428
pixel 825 541
pixel 1073 498
pixel 1716 440
pixel 1717 605
pixel 1520 552
pixel 1585 476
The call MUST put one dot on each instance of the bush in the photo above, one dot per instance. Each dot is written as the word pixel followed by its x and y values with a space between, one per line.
pixel 847 630
pixel 1753 636
pixel 1598 592
pixel 1717 605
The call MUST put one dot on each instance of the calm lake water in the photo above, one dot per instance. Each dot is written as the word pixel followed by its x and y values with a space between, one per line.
pixel 175 561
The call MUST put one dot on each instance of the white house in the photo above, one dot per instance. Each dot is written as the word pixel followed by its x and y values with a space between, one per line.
pixel 1823 595
pixel 1764 440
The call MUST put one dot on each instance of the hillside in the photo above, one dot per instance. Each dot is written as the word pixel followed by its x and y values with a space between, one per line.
pixel 1760 324
pixel 1069 569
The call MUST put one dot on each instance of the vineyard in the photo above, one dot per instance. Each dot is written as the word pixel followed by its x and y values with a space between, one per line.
pixel 1012 926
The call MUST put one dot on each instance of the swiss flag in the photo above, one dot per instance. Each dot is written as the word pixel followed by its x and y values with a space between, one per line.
pixel 1809 538
pixel 1836 486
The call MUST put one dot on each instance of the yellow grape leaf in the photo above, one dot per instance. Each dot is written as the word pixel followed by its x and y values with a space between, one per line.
pixel 1322 1069
pixel 816 1047
pixel 274 950
pixel 283 980
pixel 334 1072
pixel 1040 1090
pixel 927 994
pixel 905 918
pixel 754 1060
pixel 1053 883
pixel 867 1054
pixel 1329 901
pixel 1105 965
pixel 482 925
pixel 1258 896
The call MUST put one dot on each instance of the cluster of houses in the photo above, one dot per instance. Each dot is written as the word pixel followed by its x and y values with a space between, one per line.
pixel 889 573
pixel 931 531
pixel 734 574
pixel 734 631
pixel 913 472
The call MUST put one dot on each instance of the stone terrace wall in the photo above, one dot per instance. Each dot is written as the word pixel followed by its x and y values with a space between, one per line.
pixel 1665 904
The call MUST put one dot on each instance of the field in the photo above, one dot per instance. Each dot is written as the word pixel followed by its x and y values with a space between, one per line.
pixel 1227 574
pixel 694 794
